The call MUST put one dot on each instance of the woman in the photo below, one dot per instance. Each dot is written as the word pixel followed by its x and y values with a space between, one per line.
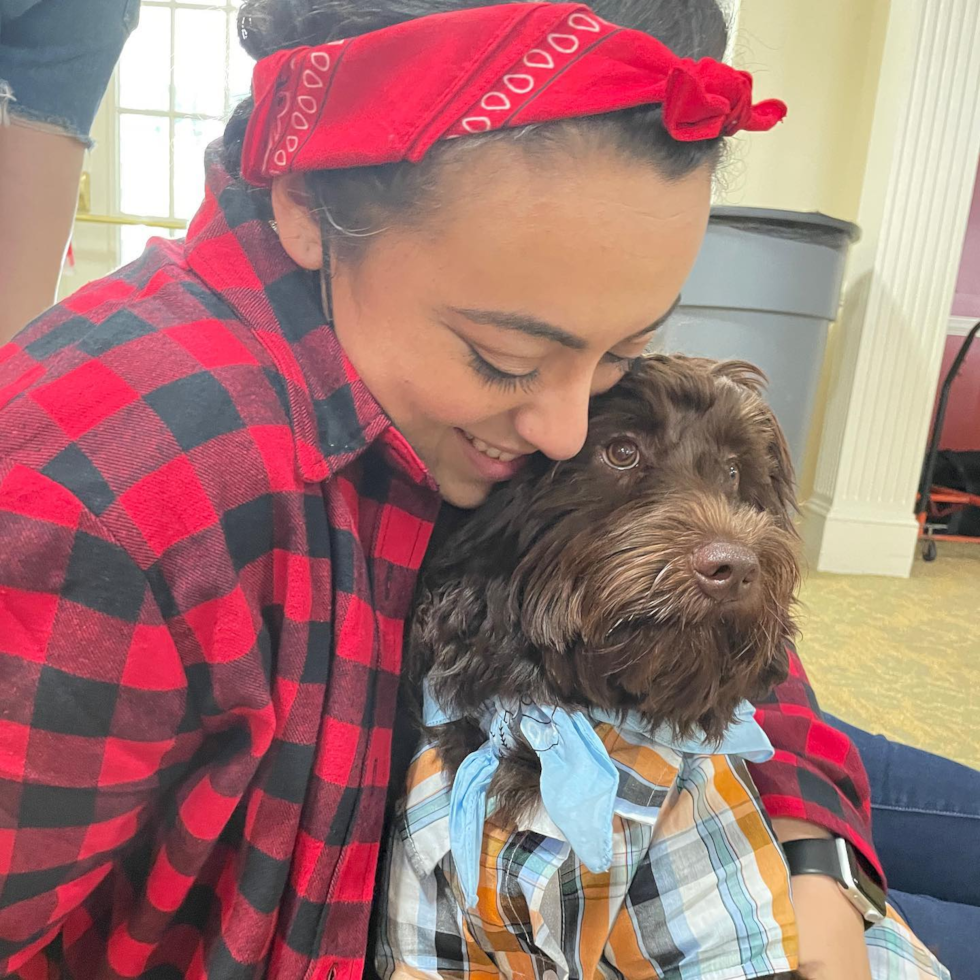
pixel 220 469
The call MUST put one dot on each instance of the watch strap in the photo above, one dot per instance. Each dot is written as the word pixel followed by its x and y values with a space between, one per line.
pixel 814 857
pixel 835 858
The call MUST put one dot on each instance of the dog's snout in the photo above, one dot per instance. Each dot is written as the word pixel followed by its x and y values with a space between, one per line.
pixel 725 571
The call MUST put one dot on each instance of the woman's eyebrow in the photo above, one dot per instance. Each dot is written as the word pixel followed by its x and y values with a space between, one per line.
pixel 523 323
pixel 534 326
pixel 659 322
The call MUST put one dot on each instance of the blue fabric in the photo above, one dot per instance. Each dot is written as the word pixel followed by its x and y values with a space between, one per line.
pixel 744 737
pixel 579 782
pixel 926 824
pixel 948 929
pixel 57 56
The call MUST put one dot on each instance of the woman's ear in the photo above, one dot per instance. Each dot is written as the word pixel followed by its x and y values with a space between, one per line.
pixel 298 229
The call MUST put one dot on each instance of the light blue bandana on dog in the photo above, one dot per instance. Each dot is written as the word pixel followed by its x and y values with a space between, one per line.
pixel 579 782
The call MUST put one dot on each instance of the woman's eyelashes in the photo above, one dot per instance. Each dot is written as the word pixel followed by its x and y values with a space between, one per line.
pixel 497 378
pixel 509 381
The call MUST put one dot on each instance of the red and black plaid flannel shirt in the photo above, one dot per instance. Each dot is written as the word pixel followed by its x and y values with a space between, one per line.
pixel 209 537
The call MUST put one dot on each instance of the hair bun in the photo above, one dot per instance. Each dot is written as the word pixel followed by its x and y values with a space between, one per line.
pixel 693 28
pixel 266 26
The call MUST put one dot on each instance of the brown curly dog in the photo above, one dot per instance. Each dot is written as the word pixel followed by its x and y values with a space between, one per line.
pixel 655 572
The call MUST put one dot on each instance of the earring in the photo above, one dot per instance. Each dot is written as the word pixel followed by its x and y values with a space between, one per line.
pixel 326 294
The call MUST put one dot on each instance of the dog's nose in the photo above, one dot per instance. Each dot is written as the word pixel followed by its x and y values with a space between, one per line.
pixel 725 571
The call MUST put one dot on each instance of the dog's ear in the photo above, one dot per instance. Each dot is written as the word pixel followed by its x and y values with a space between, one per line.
pixel 467 640
pixel 465 621
pixel 782 476
pixel 742 373
pixel 781 471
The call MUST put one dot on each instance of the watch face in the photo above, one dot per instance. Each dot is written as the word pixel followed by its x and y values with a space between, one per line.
pixel 873 892
pixel 859 884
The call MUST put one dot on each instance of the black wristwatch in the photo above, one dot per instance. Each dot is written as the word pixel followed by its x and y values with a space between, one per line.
pixel 836 859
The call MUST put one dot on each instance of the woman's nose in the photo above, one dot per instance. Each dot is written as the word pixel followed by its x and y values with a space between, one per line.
pixel 555 426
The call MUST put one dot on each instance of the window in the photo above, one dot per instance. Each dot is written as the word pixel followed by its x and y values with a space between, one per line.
pixel 180 75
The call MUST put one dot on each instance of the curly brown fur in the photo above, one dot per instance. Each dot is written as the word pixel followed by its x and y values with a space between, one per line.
pixel 574 584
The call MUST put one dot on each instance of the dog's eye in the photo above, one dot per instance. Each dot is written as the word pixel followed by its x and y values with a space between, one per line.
pixel 622 454
pixel 733 472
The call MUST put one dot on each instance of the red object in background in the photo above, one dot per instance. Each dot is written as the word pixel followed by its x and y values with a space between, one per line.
pixel 961 431
pixel 937 506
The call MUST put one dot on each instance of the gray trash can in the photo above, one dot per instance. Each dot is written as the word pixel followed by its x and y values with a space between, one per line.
pixel 765 289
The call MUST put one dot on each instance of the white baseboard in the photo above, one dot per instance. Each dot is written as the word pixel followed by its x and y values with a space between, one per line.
pixel 858 544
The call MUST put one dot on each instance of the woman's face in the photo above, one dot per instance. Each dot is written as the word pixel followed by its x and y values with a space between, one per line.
pixel 484 330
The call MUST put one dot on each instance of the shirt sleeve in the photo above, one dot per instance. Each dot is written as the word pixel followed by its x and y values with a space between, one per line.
pixel 94 693
pixel 816 774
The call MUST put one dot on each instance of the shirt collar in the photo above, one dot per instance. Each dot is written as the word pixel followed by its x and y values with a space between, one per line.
pixel 647 763
pixel 235 252
pixel 646 769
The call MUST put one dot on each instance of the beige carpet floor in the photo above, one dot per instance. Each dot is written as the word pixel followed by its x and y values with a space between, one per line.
pixel 901 657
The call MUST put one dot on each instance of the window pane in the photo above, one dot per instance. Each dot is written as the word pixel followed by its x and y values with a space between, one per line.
pixel 200 52
pixel 144 68
pixel 191 136
pixel 240 67
pixel 144 164
pixel 133 239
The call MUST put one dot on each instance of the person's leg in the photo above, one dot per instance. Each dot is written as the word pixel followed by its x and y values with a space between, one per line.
pixel 56 58
pixel 926 824
pixel 926 818
pixel 39 173
pixel 948 929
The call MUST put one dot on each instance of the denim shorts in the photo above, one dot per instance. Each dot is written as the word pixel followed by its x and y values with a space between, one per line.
pixel 56 59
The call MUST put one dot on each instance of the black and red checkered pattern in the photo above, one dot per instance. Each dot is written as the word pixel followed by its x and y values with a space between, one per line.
pixel 209 538
pixel 209 535
pixel 816 774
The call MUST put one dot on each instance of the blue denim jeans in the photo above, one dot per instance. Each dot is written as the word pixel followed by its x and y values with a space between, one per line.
pixel 926 812
pixel 56 59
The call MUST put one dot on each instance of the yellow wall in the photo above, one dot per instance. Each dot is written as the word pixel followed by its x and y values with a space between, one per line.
pixel 823 58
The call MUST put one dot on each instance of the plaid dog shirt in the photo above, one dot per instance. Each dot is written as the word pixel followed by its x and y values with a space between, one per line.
pixel 209 537
pixel 698 888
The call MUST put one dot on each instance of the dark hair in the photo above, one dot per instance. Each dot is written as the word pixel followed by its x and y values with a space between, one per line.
pixel 360 201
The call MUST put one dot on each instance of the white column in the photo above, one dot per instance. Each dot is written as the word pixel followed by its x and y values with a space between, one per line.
pixel 922 163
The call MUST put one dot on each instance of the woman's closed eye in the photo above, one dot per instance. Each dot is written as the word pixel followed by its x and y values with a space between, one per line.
pixel 496 376
pixel 509 380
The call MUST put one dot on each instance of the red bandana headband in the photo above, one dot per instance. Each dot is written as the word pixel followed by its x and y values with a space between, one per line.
pixel 391 94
